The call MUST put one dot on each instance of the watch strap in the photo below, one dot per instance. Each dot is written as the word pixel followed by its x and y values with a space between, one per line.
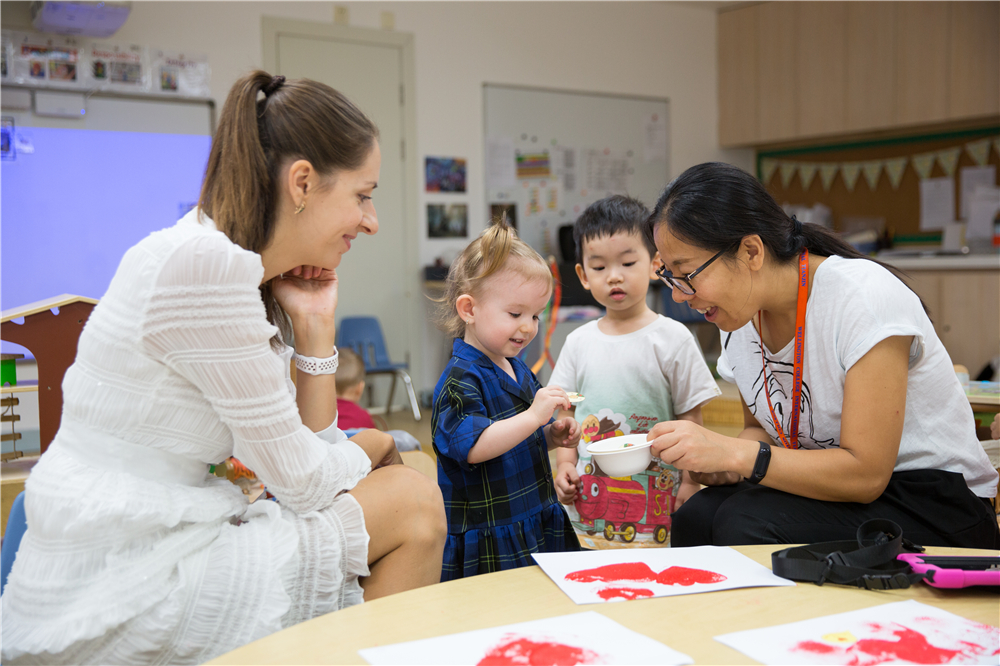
pixel 318 366
pixel 761 463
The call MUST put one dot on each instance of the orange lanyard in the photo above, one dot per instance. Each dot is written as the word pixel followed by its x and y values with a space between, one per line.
pixel 791 441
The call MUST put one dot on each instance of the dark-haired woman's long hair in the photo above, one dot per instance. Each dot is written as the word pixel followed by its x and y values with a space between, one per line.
pixel 714 205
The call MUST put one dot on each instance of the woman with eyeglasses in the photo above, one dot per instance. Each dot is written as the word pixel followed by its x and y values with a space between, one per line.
pixel 852 409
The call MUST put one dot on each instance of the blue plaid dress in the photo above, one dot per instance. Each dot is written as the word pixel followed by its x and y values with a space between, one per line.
pixel 502 510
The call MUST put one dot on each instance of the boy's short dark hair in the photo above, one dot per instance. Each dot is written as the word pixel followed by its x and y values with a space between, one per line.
pixel 350 370
pixel 609 216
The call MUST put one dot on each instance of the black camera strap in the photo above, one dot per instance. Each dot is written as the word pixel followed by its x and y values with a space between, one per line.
pixel 869 562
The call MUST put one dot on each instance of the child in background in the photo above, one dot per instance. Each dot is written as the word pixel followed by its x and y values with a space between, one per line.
pixel 350 387
pixel 492 420
pixel 353 417
pixel 634 368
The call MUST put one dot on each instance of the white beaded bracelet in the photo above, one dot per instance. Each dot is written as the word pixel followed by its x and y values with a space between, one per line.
pixel 318 366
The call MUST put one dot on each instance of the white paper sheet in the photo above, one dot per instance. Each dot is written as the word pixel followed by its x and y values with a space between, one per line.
pixel 500 163
pixel 937 203
pixel 582 638
pixel 983 206
pixel 901 632
pixel 591 577
pixel 654 146
pixel 972 178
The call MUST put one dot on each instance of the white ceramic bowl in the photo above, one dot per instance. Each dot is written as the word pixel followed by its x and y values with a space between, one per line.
pixel 622 456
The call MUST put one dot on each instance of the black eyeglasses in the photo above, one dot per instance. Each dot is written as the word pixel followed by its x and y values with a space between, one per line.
pixel 682 283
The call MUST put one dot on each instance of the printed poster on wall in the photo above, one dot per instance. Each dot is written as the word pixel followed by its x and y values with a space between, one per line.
pixel 445 174
pixel 500 163
pixel 119 66
pixel 46 59
pixel 176 73
pixel 937 203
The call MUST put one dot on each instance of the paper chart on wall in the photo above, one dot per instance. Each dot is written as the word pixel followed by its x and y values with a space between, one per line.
pixel 582 638
pixel 901 632
pixel 591 577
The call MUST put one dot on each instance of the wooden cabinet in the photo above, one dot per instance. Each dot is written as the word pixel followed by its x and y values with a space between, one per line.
pixel 965 309
pixel 737 41
pixel 974 79
pixel 791 71
pixel 871 65
pixel 821 79
pixel 922 37
pixel 776 70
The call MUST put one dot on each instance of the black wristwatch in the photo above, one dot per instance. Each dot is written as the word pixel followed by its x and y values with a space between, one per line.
pixel 760 465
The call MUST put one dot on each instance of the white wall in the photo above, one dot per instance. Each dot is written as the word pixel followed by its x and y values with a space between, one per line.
pixel 660 49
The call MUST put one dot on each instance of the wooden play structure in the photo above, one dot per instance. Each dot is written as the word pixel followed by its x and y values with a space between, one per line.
pixel 50 330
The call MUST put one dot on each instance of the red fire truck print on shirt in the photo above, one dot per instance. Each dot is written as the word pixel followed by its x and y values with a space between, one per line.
pixel 624 506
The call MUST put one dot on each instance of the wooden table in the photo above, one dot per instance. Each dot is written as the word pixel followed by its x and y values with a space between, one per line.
pixel 686 623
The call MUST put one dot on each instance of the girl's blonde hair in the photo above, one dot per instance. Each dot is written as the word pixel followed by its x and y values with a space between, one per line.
pixel 496 249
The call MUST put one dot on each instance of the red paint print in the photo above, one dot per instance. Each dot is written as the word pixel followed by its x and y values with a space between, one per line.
pixel 613 573
pixel 911 647
pixel 640 572
pixel 817 647
pixel 541 653
pixel 686 576
pixel 609 593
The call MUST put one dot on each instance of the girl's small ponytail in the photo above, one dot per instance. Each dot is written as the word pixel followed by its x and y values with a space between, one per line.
pixel 495 245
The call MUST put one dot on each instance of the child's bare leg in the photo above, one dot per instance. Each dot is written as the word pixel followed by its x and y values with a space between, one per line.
pixel 404 514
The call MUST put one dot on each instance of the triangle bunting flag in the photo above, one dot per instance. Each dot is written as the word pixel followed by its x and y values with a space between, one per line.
pixel 979 151
pixel 895 168
pixel 948 159
pixel 827 172
pixel 807 171
pixel 872 171
pixel 923 164
pixel 850 171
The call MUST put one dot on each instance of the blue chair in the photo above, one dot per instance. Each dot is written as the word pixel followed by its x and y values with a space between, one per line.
pixel 364 336
pixel 16 525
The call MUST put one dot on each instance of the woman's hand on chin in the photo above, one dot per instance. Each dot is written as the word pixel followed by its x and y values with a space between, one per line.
pixel 309 295
pixel 307 291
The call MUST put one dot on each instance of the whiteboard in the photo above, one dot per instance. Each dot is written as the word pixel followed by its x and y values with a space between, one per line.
pixel 551 153
pixel 78 192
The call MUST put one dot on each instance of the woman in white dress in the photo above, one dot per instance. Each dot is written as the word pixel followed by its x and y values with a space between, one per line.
pixel 134 553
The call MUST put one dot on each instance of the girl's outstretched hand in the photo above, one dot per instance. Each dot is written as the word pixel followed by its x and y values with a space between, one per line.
pixel 547 400
pixel 565 432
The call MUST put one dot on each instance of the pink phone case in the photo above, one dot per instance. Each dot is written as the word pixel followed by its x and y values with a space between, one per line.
pixel 949 571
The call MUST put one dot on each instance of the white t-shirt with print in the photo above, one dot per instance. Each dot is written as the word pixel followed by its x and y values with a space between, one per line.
pixel 855 304
pixel 630 383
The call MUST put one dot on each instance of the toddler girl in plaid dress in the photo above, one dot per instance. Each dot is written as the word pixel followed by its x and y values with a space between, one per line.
pixel 492 420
